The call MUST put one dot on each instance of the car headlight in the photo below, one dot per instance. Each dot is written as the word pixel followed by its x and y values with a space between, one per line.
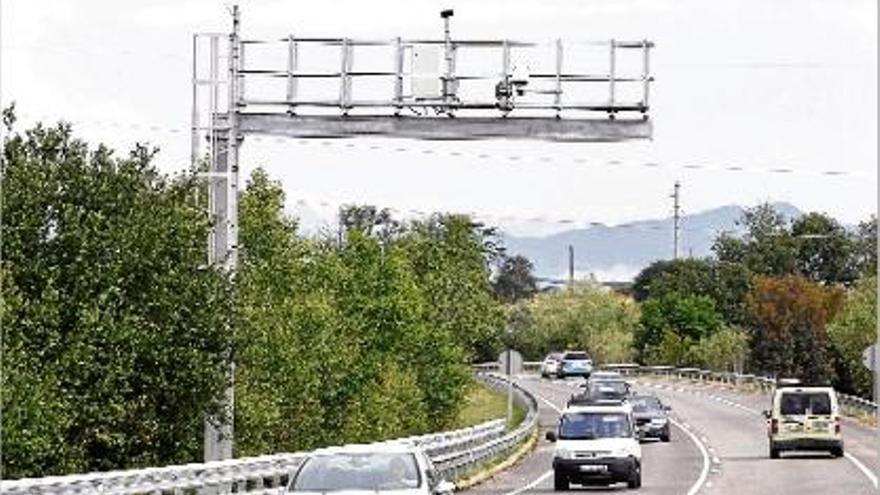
pixel 621 452
pixel 563 453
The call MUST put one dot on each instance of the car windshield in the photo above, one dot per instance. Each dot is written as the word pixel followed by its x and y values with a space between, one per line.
pixel 576 356
pixel 798 403
pixel 587 426
pixel 369 471
pixel 613 389
pixel 646 404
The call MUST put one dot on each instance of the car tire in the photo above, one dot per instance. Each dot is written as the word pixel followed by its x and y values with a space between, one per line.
pixel 635 477
pixel 560 482
pixel 774 452
pixel 664 437
pixel 837 452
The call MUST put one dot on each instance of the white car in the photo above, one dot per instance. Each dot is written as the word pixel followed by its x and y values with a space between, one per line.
pixel 596 444
pixel 397 468
pixel 804 418
pixel 550 364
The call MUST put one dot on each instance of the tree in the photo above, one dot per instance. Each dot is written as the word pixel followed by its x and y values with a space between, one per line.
pixel 515 279
pixel 766 248
pixel 788 332
pixel 450 255
pixel 865 247
pixel 725 283
pixel 725 350
pixel 690 318
pixel 824 250
pixel 853 329
pixel 114 329
pixel 586 317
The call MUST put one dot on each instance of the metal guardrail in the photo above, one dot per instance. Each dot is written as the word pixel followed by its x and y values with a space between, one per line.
pixel 851 404
pixel 454 453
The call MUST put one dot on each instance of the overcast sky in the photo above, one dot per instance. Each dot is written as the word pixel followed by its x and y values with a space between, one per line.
pixel 760 84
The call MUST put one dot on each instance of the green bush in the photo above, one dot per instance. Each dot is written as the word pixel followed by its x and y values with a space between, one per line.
pixel 587 317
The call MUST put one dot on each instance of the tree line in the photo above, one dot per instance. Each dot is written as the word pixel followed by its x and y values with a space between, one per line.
pixel 117 335
pixel 781 297
pixel 784 297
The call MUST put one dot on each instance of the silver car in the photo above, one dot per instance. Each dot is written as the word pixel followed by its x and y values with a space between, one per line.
pixel 550 364
pixel 356 469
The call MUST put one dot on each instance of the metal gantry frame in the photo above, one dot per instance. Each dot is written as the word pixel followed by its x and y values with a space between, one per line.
pixel 539 105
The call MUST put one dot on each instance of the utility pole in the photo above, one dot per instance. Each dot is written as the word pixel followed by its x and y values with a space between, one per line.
pixel 676 208
pixel 570 266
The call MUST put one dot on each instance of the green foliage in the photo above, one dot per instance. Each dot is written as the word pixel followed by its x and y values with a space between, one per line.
pixel 586 318
pixel 115 336
pixel 515 280
pixel 359 340
pixel 788 332
pixel 450 256
pixel 865 248
pixel 767 247
pixel 851 332
pixel 690 318
pixel 825 251
pixel 725 283
pixel 725 350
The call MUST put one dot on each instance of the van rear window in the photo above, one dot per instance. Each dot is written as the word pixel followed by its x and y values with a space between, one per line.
pixel 577 356
pixel 804 403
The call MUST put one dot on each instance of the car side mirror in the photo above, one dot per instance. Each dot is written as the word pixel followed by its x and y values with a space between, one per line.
pixel 766 414
pixel 444 488
pixel 550 436
pixel 667 408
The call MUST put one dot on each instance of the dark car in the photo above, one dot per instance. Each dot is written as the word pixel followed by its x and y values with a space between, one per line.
pixel 651 415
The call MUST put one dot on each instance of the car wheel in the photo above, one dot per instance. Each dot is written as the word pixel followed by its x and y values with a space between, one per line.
pixel 560 482
pixel 837 452
pixel 664 437
pixel 635 477
pixel 774 452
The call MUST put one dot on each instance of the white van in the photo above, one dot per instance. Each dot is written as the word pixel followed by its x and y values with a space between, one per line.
pixel 596 444
pixel 804 418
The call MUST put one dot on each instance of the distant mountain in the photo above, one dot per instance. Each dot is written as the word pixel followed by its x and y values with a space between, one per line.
pixel 618 253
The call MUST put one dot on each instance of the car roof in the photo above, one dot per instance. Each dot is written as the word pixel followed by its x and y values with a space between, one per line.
pixel 797 390
pixel 605 374
pixel 621 407
pixel 391 447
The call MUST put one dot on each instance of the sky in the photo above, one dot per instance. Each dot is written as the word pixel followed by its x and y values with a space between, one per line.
pixel 757 84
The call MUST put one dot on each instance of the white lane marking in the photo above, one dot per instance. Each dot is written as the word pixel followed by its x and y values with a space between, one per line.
pixel 853 459
pixel 531 485
pixel 545 401
pixel 864 469
pixel 543 477
pixel 704 473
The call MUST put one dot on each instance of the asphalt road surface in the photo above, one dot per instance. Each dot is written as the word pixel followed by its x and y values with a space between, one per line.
pixel 719 446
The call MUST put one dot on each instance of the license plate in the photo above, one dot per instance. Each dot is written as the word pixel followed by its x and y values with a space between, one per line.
pixel 598 468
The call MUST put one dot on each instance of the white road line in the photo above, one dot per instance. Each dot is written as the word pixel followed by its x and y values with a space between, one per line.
pixel 543 477
pixel 531 485
pixel 864 469
pixel 853 459
pixel 704 474
pixel 545 401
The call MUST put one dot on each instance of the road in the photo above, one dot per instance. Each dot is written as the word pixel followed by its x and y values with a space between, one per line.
pixel 719 446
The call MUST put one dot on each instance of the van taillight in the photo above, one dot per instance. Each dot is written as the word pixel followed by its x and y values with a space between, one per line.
pixel 836 426
pixel 774 426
